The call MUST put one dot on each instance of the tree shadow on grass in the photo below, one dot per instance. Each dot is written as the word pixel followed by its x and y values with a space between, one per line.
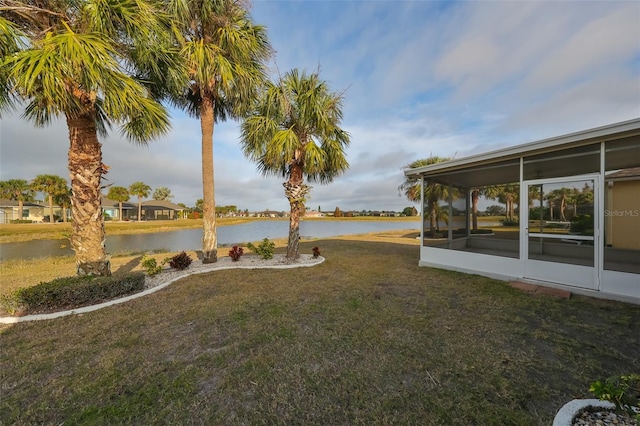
pixel 130 265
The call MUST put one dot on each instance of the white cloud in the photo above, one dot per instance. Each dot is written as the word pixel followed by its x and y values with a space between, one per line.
pixel 421 78
pixel 596 46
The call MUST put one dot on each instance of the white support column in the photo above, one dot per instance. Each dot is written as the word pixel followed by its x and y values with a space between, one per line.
pixel 524 216
pixel 422 210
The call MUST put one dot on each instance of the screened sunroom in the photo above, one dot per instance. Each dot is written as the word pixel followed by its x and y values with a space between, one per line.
pixel 562 212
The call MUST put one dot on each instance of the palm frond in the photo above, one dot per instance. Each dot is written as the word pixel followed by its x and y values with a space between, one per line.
pixel 281 149
pixel 150 122
pixel 307 117
pixel 224 53
pixel 81 74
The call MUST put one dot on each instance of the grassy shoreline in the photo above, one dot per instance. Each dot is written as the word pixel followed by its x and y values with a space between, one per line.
pixel 367 337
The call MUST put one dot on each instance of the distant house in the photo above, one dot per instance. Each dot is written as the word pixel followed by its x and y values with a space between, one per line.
pixel 313 213
pixel 160 210
pixel 151 210
pixel 111 210
pixel 30 211
pixel 270 213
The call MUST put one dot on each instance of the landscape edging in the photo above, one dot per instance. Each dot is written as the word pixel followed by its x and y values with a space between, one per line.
pixel 91 308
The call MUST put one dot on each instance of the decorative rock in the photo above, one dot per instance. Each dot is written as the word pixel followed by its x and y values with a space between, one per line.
pixel 590 412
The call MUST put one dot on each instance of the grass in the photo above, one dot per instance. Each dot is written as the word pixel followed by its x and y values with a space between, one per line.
pixel 367 337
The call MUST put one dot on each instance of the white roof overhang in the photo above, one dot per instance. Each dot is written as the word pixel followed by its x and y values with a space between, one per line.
pixel 508 158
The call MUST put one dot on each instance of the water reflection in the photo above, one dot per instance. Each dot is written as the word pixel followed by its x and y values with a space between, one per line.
pixel 191 239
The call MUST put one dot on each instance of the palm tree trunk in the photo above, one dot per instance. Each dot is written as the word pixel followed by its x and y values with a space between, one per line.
pixel 20 209
pixel 86 170
pixel 296 193
pixel 139 208
pixel 51 209
pixel 433 216
pixel 475 195
pixel 209 240
pixel 293 244
pixel 120 218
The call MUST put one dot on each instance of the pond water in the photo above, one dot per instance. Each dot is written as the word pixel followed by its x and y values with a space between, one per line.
pixel 191 239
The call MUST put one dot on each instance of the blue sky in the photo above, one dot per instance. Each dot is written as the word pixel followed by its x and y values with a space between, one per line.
pixel 419 78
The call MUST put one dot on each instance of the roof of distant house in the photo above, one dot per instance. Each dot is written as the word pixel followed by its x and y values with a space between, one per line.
pixel 105 202
pixel 163 204
pixel 4 202
pixel 625 173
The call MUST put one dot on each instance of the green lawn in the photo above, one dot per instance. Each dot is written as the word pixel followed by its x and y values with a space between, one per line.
pixel 367 337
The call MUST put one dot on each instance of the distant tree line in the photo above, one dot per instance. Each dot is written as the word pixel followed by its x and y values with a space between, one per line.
pixel 58 193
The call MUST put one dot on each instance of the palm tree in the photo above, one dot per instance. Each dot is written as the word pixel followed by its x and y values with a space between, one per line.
pixel 225 54
pixel 490 192
pixel 17 190
pixel 63 199
pixel 162 193
pixel 50 185
pixel 139 189
pixel 509 194
pixel 585 198
pixel 561 195
pixel 119 194
pixel 96 63
pixel 432 192
pixel 294 132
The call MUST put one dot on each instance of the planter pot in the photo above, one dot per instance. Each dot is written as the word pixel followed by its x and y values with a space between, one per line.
pixel 571 409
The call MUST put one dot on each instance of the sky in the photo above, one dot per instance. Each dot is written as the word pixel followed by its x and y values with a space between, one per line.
pixel 419 78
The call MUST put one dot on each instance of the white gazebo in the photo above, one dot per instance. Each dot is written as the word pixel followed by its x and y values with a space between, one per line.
pixel 573 207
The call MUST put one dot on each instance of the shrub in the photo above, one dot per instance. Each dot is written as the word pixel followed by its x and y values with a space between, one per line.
pixel 235 253
pixel 72 292
pixel 264 249
pixel 21 221
pixel 481 231
pixel 509 222
pixel 623 391
pixel 316 252
pixel 56 218
pixel 582 224
pixel 150 265
pixel 180 261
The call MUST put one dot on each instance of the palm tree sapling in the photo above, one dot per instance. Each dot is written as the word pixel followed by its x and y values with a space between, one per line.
pixel 295 132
